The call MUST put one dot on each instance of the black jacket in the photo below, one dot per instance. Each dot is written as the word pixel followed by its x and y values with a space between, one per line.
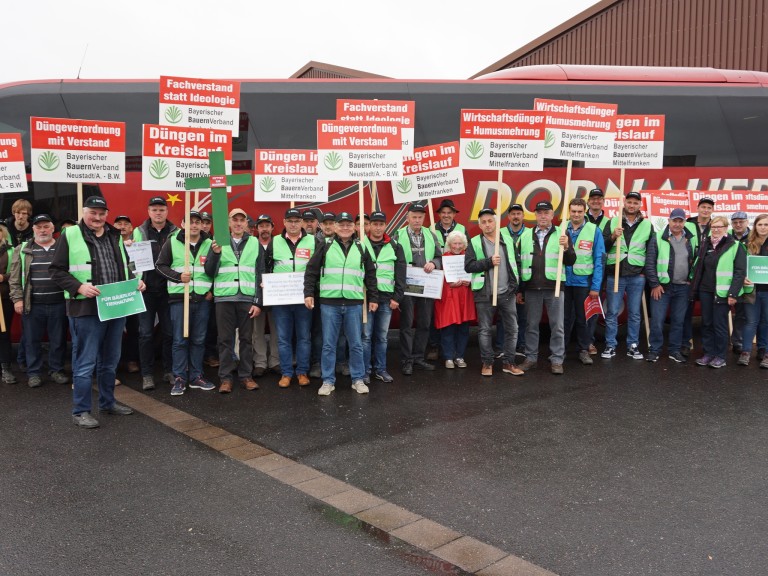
pixel 652 256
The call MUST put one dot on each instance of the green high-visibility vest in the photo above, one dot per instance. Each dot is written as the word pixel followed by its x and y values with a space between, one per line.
pixel 724 272
pixel 585 263
pixel 635 252
pixel 439 235
pixel 80 258
pixel 200 283
pixel 662 259
pixel 285 260
pixel 342 276
pixel 551 254
pixel 22 260
pixel 236 276
pixel 405 241
pixel 385 265
pixel 478 278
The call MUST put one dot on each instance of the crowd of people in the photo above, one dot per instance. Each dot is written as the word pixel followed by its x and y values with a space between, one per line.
pixel 354 277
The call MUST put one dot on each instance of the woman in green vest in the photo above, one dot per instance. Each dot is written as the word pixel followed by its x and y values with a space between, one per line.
pixel 757 310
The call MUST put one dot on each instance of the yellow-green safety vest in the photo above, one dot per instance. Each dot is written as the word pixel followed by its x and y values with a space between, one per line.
pixel 585 262
pixel 200 283
pixel 343 277
pixel 478 278
pixel 724 272
pixel 439 235
pixel 385 265
pixel 80 257
pixel 285 260
pixel 236 276
pixel 405 241
pixel 551 255
pixel 635 252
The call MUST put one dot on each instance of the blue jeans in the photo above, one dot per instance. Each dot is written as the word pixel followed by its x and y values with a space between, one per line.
pixel 188 352
pixel 633 286
pixel 756 315
pixel 453 340
pixel 42 317
pixel 94 343
pixel 290 319
pixel 376 329
pixel 675 297
pixel 333 318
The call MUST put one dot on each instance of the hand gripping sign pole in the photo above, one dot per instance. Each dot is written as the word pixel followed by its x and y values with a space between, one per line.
pixel 497 238
pixel 619 220
pixel 565 216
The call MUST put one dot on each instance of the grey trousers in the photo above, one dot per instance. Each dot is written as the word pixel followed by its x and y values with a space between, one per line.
pixel 507 308
pixel 260 359
pixel 535 301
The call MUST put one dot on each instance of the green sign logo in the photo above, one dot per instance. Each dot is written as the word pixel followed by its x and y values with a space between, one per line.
pixel 332 161
pixel 159 169
pixel 549 139
pixel 267 184
pixel 404 186
pixel 48 161
pixel 173 114
pixel 474 150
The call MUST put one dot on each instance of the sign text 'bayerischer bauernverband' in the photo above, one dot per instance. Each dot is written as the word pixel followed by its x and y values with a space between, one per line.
pixel 433 171
pixel 502 140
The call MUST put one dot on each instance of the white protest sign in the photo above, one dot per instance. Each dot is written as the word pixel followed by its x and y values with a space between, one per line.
pixel 357 151
pixel 639 143
pixel 578 130
pixel 402 111
pixel 288 176
pixel 423 285
pixel 198 103
pixel 431 171
pixel 13 176
pixel 502 140
pixel 171 155
pixel 140 254
pixel 67 150
pixel 453 267
pixel 284 288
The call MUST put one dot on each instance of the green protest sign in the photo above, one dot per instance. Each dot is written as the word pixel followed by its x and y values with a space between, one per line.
pixel 757 269
pixel 119 299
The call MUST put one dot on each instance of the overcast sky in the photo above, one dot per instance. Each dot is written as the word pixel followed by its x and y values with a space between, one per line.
pixel 45 39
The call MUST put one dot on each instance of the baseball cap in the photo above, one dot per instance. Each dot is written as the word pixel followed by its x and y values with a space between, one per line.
pixel 739 216
pixel 205 216
pixel 416 207
pixel 378 216
pixel 236 211
pixel 328 216
pixel 677 214
pixel 515 207
pixel 123 217
pixel 157 200
pixel 706 200
pixel 194 214
pixel 292 213
pixel 95 202
pixel 344 217
pixel 41 218
pixel 264 218
pixel 635 195
pixel 308 215
pixel 486 211
pixel 365 215
pixel 596 192
pixel 544 205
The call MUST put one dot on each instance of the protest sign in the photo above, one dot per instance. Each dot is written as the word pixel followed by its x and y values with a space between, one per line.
pixel 359 150
pixel 422 284
pixel 284 288
pixel 400 111
pixel 140 254
pixel 661 204
pixel 199 103
pixel 13 176
pixel 593 307
pixel 288 176
pixel 639 143
pixel 502 140
pixel 757 269
pixel 119 299
pixel 453 268
pixel 431 171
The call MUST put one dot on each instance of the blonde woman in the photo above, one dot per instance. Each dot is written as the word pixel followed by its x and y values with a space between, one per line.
pixel 757 312
pixel 6 251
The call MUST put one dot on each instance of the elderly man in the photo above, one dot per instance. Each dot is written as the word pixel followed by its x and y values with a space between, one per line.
pixel 88 255
pixel 40 302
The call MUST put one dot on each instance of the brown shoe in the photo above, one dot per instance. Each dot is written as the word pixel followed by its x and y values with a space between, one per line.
pixel 212 362
pixel 249 384
pixel 527 365
pixel 487 370
pixel 592 349
pixel 132 367
pixel 512 369
pixel 285 381
pixel 303 380
pixel 557 369
pixel 225 387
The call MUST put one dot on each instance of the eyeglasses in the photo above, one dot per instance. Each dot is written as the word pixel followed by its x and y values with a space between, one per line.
pixel 720 226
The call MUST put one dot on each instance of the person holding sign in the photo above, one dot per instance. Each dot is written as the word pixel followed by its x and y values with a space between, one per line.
pixel 264 357
pixel 718 282
pixel 515 228
pixel 88 255
pixel 188 352
pixel 344 271
pixel 389 259
pixel 584 278
pixel 757 312
pixel 480 261
pixel 421 249
pixel 667 270
pixel 290 252
pixel 40 302
pixel 235 270
pixel 539 252
pixel 635 232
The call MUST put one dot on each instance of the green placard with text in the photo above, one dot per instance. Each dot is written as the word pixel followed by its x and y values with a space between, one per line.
pixel 119 299
pixel 757 269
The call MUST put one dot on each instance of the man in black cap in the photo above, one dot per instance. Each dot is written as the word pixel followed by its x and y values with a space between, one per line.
pixel 309 221
pixel 327 226
pixel 123 225
pixel 422 249
pixel 366 225
pixel 595 203
pixel 155 229
pixel 446 224
pixel 635 233
pixel 264 357
pixel 88 255
pixel 207 222
pixel 515 229
pixel 40 302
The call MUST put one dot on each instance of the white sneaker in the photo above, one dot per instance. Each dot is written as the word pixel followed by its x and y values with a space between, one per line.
pixel 326 389
pixel 460 363
pixel 359 387
pixel 450 364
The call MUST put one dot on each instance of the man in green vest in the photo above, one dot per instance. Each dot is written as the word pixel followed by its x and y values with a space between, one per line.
pixel 421 249
pixel 480 261
pixel 325 232
pixel 188 352
pixel 635 233
pixel 289 252
pixel 595 214
pixel 539 252
pixel 515 228
pixel 667 270
pixel 344 270
pixel 88 255
pixel 264 356
pixel 236 272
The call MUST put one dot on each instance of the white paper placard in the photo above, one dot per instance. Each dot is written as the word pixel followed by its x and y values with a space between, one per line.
pixel 453 267
pixel 140 254
pixel 283 288
pixel 422 284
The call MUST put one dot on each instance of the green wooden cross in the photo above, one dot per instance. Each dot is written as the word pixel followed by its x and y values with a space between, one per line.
pixel 218 182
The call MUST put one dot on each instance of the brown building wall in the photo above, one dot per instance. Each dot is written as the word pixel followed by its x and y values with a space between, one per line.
pixel 718 33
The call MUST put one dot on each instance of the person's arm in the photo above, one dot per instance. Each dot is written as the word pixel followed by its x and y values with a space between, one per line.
pixel 259 265
pixel 163 264
pixel 14 279
pixel 371 285
pixel 474 265
pixel 59 268
pixel 651 259
pixel 739 271
pixel 598 251
pixel 569 254
pixel 401 268
pixel 312 272
pixel 213 260
pixel 438 259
